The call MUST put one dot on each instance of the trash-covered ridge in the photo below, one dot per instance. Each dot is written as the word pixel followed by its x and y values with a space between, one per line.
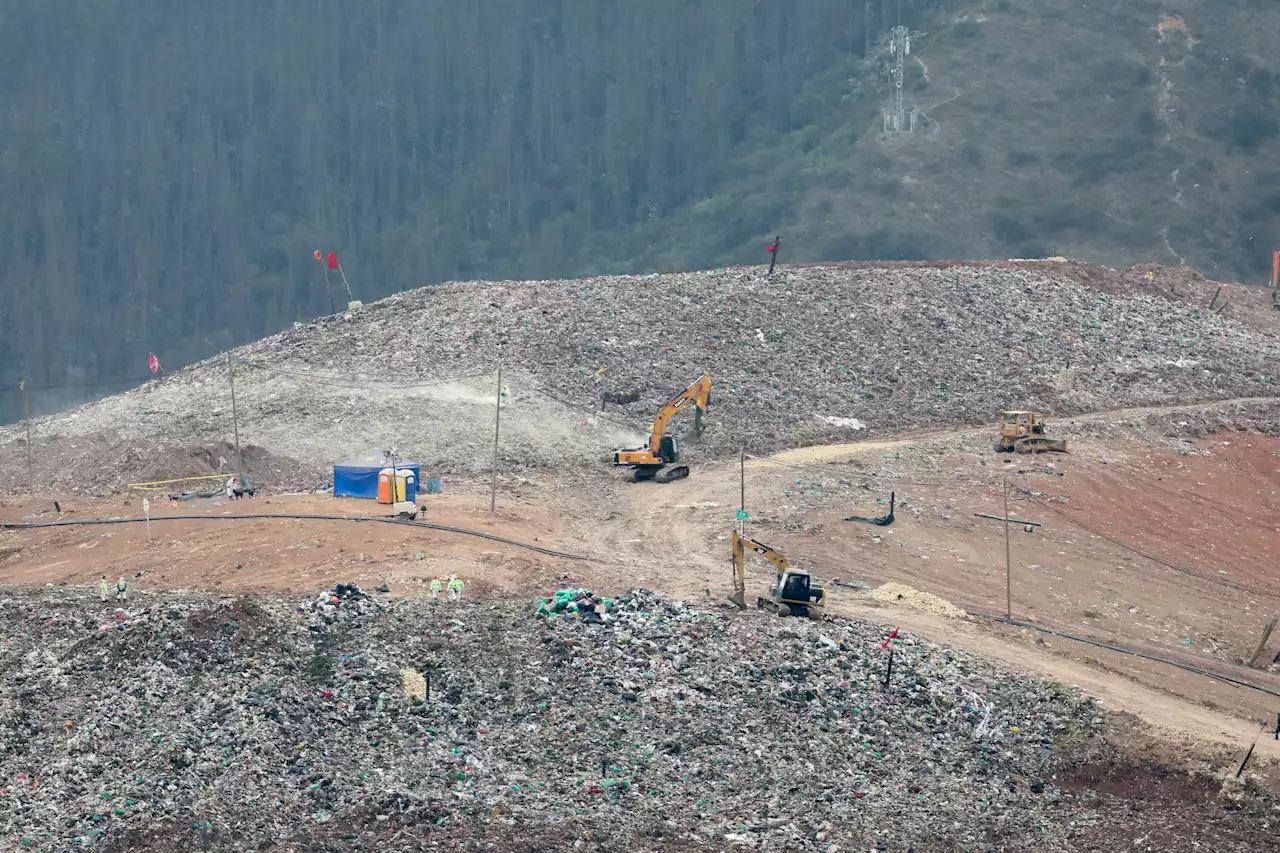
pixel 180 722
pixel 808 355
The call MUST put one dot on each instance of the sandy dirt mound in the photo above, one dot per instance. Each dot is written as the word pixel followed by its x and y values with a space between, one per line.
pixel 896 593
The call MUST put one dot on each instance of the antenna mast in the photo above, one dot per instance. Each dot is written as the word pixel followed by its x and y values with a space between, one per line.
pixel 898 120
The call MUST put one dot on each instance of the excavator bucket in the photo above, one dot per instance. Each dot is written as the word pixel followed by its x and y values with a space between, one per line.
pixel 739 599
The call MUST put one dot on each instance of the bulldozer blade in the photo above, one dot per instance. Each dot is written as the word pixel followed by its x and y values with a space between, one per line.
pixel 1041 445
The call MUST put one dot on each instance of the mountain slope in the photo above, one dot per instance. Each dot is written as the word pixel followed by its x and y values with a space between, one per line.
pixel 1111 133
pixel 171 172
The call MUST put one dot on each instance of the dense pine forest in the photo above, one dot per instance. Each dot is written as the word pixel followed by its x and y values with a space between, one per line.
pixel 169 168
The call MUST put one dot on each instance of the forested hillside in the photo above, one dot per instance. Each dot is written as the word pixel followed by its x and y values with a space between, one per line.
pixel 170 168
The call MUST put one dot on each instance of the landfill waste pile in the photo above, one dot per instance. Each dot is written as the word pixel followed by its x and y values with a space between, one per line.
pixel 809 355
pixel 347 723
pixel 576 602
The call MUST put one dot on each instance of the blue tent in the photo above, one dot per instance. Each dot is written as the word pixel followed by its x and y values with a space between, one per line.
pixel 358 477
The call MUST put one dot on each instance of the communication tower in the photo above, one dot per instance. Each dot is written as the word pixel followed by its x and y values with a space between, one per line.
pixel 898 120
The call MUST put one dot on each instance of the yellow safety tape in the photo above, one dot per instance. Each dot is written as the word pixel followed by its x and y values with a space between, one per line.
pixel 179 480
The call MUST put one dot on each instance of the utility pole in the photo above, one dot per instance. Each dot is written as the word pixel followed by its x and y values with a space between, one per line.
pixel 1008 560
pixel 742 486
pixel 497 424
pixel 26 419
pixel 235 415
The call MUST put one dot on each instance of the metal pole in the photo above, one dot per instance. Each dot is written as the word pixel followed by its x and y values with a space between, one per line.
pixel 235 416
pixel 350 298
pixel 26 419
pixel 742 485
pixel 1008 560
pixel 395 490
pixel 497 424
pixel 333 308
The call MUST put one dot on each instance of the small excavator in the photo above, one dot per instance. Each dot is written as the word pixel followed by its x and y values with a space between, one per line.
pixel 795 594
pixel 1024 432
pixel 657 460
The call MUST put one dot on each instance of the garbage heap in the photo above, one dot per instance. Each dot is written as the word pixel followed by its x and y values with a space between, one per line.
pixel 593 608
pixel 198 724
pixel 345 602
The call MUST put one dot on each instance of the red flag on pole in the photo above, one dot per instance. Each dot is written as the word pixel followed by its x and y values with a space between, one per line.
pixel 773 247
pixel 333 260
pixel 892 636
pixel 318 257
pixel 153 362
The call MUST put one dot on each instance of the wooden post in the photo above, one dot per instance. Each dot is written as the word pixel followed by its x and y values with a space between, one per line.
pixel 1262 644
pixel 497 424
pixel 773 253
pixel 1008 560
pixel 235 416
pixel 1252 747
pixel 26 419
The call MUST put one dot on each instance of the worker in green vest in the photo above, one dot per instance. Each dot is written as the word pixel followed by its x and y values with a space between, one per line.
pixel 104 589
pixel 455 588
pixel 435 590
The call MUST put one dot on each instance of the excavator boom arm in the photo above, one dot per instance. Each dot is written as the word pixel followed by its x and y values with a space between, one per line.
pixel 740 546
pixel 698 393
pixel 769 554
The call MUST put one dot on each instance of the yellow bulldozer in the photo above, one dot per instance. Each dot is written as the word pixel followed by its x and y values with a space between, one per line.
pixel 794 594
pixel 1024 432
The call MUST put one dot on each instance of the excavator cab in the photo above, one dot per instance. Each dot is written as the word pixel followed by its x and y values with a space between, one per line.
pixel 798 595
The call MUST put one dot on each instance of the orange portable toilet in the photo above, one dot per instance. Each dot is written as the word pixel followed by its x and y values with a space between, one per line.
pixel 393 485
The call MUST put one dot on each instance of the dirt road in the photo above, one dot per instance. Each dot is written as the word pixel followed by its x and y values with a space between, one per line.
pixel 1202 511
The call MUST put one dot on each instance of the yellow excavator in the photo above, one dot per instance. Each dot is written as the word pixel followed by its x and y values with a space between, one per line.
pixel 657 459
pixel 795 594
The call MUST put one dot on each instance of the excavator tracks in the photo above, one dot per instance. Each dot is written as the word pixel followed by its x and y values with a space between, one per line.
pixel 671 474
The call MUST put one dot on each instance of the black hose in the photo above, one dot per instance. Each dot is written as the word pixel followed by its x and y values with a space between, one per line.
pixel 1122 650
pixel 423 524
